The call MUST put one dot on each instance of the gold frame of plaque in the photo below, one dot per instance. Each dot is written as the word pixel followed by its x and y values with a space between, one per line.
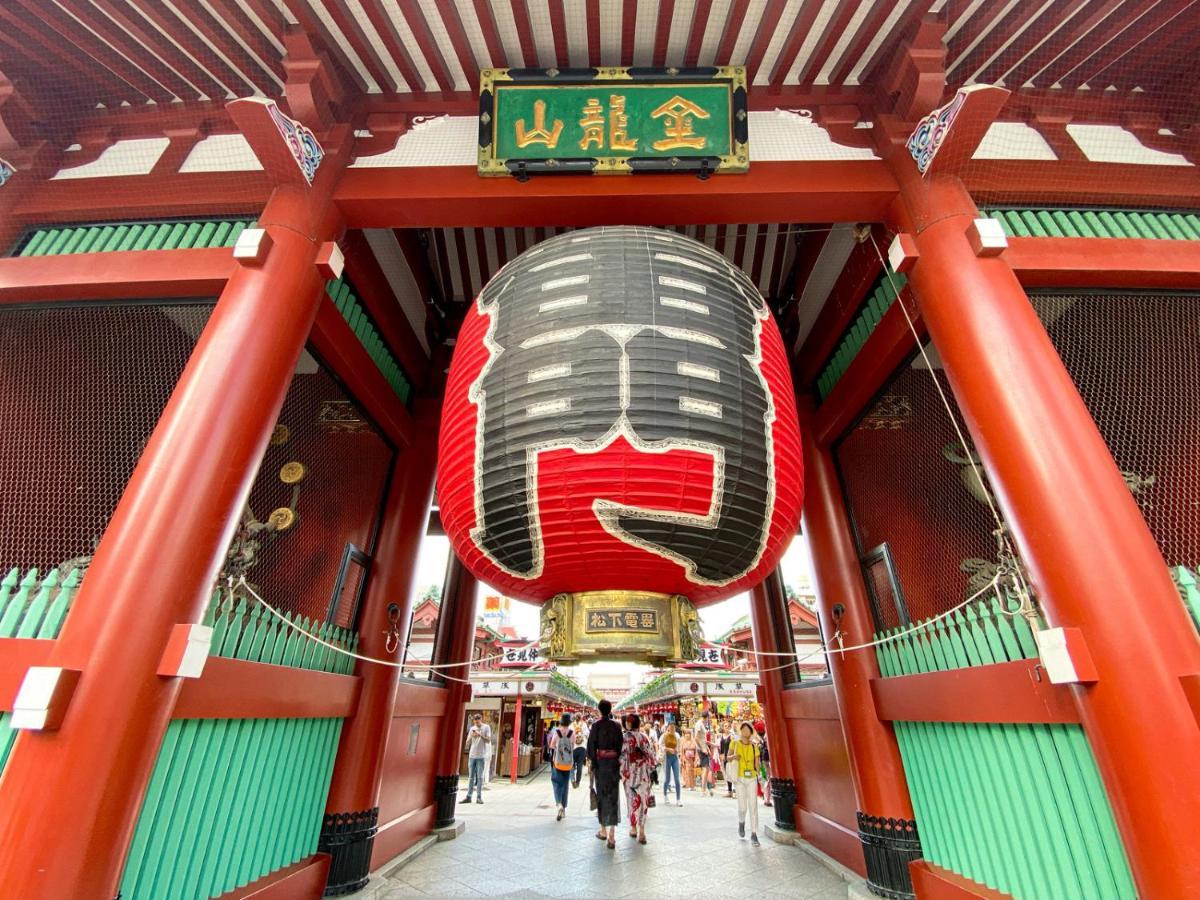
pixel 639 626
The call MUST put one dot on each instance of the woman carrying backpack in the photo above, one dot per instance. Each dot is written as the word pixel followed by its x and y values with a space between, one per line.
pixel 562 760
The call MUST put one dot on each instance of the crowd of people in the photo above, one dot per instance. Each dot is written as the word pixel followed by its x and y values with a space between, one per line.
pixel 637 756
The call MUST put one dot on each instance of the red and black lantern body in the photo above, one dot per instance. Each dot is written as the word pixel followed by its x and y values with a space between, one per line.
pixel 619 416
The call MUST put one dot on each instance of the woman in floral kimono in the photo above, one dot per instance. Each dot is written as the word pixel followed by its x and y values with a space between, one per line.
pixel 637 764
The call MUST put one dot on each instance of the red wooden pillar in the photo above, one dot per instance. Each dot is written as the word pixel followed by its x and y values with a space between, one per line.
pixel 516 745
pixel 1094 564
pixel 880 788
pixel 352 808
pixel 455 641
pixel 768 619
pixel 70 798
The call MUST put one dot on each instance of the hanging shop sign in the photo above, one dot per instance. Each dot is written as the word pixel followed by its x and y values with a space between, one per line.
pixel 613 120
pixel 634 625
pixel 619 416
pixel 520 654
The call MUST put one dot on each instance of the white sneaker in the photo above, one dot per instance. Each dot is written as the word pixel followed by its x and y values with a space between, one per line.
pixel 561 812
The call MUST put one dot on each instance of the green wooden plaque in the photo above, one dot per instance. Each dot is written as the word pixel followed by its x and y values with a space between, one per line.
pixel 612 120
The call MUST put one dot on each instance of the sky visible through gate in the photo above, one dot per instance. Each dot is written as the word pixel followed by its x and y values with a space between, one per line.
pixel 716 618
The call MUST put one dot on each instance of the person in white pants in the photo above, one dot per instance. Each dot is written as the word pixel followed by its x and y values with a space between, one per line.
pixel 744 760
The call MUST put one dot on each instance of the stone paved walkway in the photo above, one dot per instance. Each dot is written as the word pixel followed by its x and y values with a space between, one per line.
pixel 513 847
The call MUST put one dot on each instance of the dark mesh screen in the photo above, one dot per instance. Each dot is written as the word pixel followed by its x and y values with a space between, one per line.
pixel 909 486
pixel 81 389
pixel 319 488
pixel 1135 359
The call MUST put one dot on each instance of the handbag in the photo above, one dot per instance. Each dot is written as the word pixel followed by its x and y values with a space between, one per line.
pixel 651 803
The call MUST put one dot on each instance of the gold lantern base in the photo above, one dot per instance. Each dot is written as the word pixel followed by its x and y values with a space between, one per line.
pixel 637 626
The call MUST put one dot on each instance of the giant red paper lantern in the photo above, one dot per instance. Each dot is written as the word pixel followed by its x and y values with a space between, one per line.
pixel 619 416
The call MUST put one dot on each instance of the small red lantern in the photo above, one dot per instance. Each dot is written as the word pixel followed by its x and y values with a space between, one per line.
pixel 619 415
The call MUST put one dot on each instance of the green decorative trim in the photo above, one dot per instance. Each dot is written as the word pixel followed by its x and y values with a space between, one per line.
pixel 229 801
pixel 244 630
pixel 1020 808
pixel 32 607
pixel 570 689
pixel 1097 223
pixel 878 302
pixel 114 236
pixel 655 689
pixel 342 293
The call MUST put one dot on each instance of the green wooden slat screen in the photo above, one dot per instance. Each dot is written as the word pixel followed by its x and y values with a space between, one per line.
pixel 113 236
pixel 346 300
pixel 1020 808
pixel 32 606
pixel 231 800
pixel 878 302
pixel 1098 223
pixel 1189 590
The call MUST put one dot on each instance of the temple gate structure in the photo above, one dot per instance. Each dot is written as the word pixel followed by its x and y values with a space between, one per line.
pixel 237 242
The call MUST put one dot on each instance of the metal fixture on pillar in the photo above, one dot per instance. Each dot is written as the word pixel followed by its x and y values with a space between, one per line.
pixel 348 838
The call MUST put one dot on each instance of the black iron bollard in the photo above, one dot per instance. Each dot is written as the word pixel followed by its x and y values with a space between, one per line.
pixel 783 796
pixel 348 838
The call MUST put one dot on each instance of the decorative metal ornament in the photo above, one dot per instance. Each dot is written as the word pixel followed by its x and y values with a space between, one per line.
pixel 280 435
pixel 7 170
pixel 619 416
pixel 633 625
pixel 281 519
pixel 292 472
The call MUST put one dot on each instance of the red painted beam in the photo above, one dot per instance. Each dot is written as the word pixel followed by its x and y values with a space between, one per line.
pixel 1105 262
pixel 419 699
pixel 147 197
pixel 134 274
pixel 303 880
pixel 932 882
pixel 455 196
pixel 16 656
pixel 1005 693
pixel 376 294
pixel 1083 184
pixel 240 689
pixel 858 274
pixel 815 702
pixel 889 345
pixel 342 352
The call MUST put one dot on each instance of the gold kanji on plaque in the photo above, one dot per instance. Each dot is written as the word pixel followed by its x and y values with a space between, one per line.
pixel 597 620
pixel 678 125
pixel 538 134
pixel 647 620
pixel 592 123
pixel 618 124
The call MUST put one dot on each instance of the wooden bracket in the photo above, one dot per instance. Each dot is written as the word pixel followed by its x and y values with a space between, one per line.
pixel 43 698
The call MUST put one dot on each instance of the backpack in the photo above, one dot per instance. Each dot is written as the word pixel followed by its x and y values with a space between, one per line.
pixel 564 751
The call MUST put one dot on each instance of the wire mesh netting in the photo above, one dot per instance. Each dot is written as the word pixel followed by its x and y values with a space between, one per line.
pixel 1135 359
pixel 920 516
pixel 308 530
pixel 83 389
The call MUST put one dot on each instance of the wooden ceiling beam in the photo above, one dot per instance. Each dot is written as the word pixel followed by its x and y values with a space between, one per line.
pixel 1152 29
pixel 797 35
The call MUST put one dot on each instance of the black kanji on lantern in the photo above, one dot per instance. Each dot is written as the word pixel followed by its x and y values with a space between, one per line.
pixel 627 332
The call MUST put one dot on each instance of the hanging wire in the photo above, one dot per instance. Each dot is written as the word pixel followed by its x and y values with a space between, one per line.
pixel 1008 563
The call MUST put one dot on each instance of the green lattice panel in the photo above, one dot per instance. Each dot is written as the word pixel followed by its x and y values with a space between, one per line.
pixel 114 236
pixel 1020 808
pixel 32 606
pixel 231 800
pixel 359 320
pixel 880 300
pixel 1098 223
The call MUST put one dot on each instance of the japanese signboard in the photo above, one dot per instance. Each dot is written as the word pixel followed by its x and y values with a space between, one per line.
pixel 623 620
pixel 612 120
pixel 520 655
pixel 709 655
